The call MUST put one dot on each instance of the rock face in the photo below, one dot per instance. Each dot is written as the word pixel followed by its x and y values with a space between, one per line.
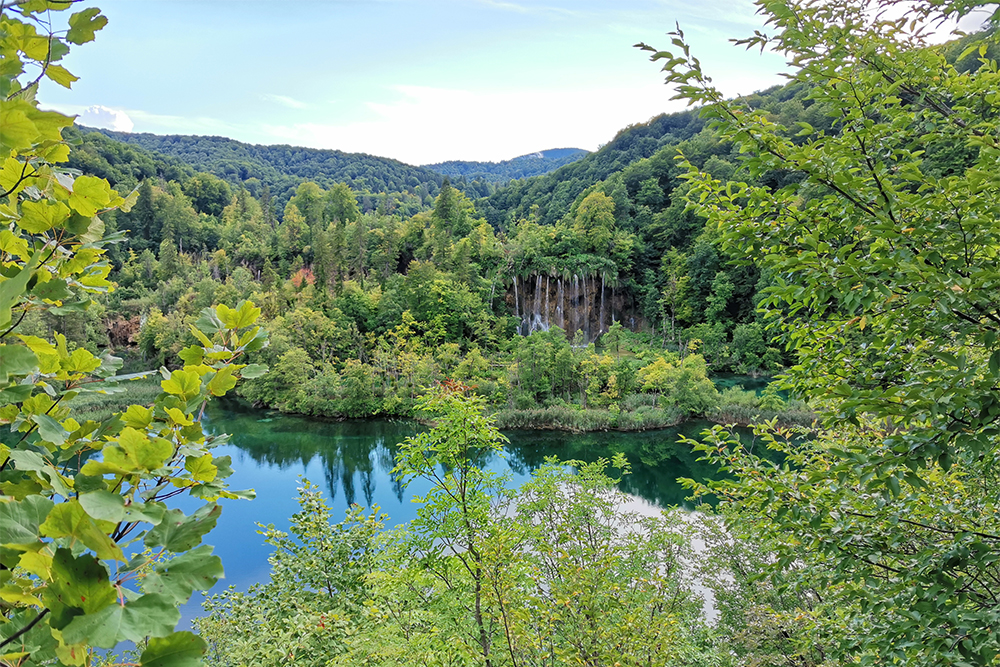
pixel 589 304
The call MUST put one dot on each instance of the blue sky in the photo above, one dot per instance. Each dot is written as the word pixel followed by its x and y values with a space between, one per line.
pixel 417 80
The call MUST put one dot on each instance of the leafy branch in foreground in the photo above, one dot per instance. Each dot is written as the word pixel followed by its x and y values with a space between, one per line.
pixel 79 499
pixel 884 245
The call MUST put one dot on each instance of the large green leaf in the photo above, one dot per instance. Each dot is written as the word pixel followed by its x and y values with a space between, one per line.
pixel 50 429
pixel 16 360
pixel 178 532
pixel 90 194
pixel 196 570
pixel 21 520
pixel 222 382
pixel 69 520
pixel 181 649
pixel 103 505
pixel 41 216
pixel 13 288
pixel 183 383
pixel 151 615
pixel 78 582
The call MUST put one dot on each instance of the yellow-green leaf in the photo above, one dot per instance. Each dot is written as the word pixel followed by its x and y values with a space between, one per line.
pixel 184 383
pixel 222 382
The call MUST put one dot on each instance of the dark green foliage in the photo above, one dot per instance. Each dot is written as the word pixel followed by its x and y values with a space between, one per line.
pixel 283 168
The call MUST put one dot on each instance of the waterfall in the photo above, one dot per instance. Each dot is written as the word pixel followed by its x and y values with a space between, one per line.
pixel 548 322
pixel 586 312
pixel 517 312
pixel 576 304
pixel 536 324
pixel 561 308
pixel 600 324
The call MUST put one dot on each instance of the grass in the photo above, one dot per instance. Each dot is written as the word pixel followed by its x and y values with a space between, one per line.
pixel 644 415
pixel 99 407
pixel 737 406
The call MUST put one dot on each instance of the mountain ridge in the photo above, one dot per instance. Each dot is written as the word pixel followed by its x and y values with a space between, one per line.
pixel 499 172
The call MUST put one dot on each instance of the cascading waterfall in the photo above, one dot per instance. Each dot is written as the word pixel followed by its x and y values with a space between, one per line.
pixel 548 321
pixel 562 305
pixel 574 325
pixel 536 316
pixel 600 323
pixel 539 305
pixel 517 311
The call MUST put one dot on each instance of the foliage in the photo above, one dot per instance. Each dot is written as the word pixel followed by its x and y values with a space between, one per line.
pixel 561 571
pixel 317 586
pixel 283 168
pixel 80 497
pixel 883 252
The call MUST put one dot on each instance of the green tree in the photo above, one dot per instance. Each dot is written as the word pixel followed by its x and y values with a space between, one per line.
pixel 460 517
pixel 886 294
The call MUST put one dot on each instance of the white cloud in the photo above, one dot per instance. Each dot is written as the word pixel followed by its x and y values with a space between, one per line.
pixel 106 118
pixel 421 124
pixel 284 100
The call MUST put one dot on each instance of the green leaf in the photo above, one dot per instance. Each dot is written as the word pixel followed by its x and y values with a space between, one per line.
pixel 137 417
pixel 16 360
pixel 103 505
pixel 133 452
pixel 178 532
pixel 78 583
pixel 183 383
pixel 26 460
pixel 50 429
pixel 201 468
pixel 192 355
pixel 17 131
pixel 222 382
pixel 83 25
pixel 70 520
pixel 21 520
pixel 196 570
pixel 41 216
pixel 151 615
pixel 181 649
pixel 90 194
pixel 253 371
pixel 60 75
pixel 13 288
pixel 52 290
pixel 209 322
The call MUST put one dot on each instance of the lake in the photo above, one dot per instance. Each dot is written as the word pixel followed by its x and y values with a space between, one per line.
pixel 352 462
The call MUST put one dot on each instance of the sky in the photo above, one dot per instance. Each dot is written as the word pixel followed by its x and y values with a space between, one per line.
pixel 421 81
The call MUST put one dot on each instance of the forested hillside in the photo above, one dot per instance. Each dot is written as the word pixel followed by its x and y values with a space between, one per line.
pixel 589 297
pixel 610 313
pixel 283 168
pixel 523 166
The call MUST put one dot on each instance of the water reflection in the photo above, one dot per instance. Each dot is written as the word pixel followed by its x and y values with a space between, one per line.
pixel 357 457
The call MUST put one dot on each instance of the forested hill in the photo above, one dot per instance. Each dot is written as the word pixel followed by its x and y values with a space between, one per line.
pixel 554 192
pixel 283 167
pixel 523 166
